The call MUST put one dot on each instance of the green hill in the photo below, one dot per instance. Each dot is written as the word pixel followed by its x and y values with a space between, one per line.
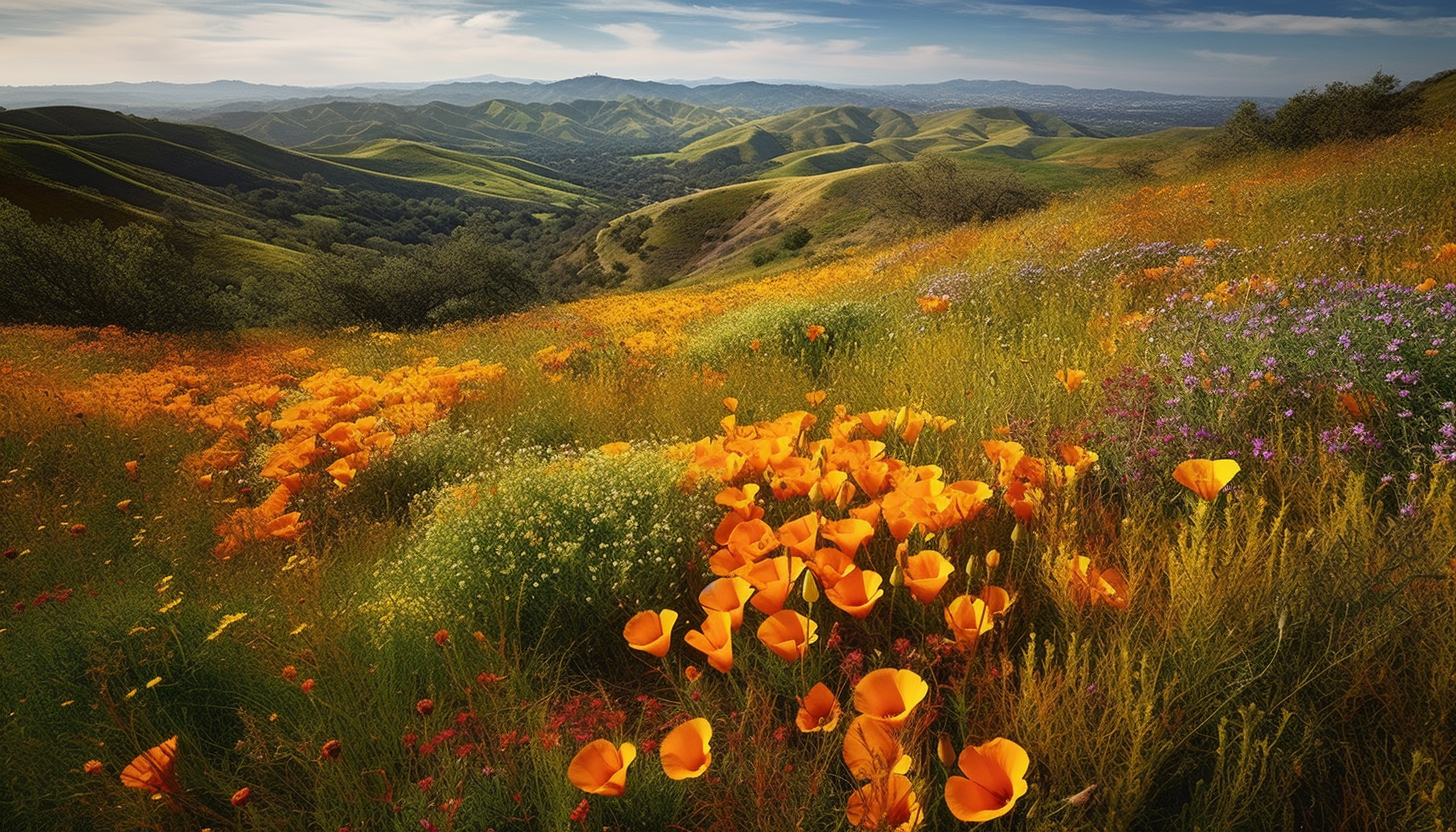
pixel 492 125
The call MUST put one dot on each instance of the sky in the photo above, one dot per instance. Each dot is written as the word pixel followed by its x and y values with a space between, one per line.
pixel 1209 47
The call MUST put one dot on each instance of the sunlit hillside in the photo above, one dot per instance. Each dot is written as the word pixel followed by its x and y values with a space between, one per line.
pixel 1130 513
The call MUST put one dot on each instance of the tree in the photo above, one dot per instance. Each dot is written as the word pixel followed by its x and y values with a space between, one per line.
pixel 938 191
pixel 1340 112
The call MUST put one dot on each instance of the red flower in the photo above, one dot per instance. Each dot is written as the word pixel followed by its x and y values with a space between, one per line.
pixel 307 686
pixel 332 749
pixel 241 796
pixel 425 707
pixel 442 637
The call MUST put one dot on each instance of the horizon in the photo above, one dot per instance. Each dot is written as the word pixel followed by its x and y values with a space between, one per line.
pixel 1231 48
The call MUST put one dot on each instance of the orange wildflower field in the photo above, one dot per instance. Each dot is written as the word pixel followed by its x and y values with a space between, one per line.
pixel 1135 512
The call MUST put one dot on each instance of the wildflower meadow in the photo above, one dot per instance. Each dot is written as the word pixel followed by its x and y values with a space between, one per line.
pixel 1136 512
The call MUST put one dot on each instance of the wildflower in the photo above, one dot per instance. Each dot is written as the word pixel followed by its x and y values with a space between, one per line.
pixel 856 592
pixel 945 750
pixel 872 750
pixel 889 695
pixel 290 673
pixel 227 621
pixel 692 673
pixel 727 594
pixel 788 634
pixel 307 686
pixel 241 797
pixel 932 305
pixel 1071 379
pixel 995 776
pixel 814 332
pixel 685 751
pixel 331 750
pixel 425 707
pixel 77 529
pixel 1205 477
pixel 818 710
pixel 650 632
pixel 154 770
pixel 92 767
pixel 442 637
pixel 814 397
pixel 578 815
pixel 968 619
pixel 601 768
pixel 926 573
pixel 715 639
pixel 888 803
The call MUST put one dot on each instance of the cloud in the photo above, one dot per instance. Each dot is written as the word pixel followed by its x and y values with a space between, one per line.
pixel 1235 57
pixel 770 18
pixel 1227 22
pixel 633 34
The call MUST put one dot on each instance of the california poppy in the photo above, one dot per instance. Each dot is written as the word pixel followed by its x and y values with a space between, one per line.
pixel 154 770
pixel 814 397
pixel 1205 477
pixel 932 305
pixel 818 710
pixel 872 749
pixel 650 632
pixel 995 776
pixel 788 634
pixel 1105 586
pixel 814 332
pixel 684 750
pixel 889 694
pixel 885 804
pixel 727 594
pixel 773 578
pixel 830 565
pixel 926 573
pixel 968 618
pixel 856 592
pixel 715 640
pixel 848 534
pixel 801 535
pixel 601 768
pixel 1071 379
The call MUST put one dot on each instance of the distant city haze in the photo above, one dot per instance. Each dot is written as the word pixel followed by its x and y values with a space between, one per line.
pixel 1234 48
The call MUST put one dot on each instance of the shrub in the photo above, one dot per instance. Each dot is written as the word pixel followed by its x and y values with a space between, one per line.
pixel 781 328
pixel 1340 112
pixel 937 191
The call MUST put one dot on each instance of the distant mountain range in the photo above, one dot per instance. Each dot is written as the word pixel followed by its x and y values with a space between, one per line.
pixel 1118 111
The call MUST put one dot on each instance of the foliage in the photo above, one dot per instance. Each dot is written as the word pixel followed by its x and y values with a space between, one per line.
pixel 938 192
pixel 1340 112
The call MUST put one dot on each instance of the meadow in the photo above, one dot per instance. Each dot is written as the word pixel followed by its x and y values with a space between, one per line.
pixel 913 512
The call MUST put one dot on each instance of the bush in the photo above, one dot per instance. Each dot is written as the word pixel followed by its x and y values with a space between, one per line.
pixel 937 191
pixel 561 550
pixel 1341 112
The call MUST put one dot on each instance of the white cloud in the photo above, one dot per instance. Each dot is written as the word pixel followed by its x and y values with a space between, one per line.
pixel 1247 24
pixel 769 18
pixel 1235 57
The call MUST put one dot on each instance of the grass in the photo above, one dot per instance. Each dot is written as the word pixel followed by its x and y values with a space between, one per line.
pixel 1280 657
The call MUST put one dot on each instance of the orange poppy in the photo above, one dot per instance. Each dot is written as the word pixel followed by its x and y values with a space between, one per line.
pixel 848 534
pixel 875 421
pixel 1071 379
pixel 814 397
pixel 731 404
pixel 742 501
pixel 872 749
pixel 726 594
pixel 931 305
pixel 889 695
pixel 856 592
pixel 751 540
pixel 788 634
pixel 684 751
pixel 818 710
pixel 830 565
pixel 995 776
pixel 1205 477
pixel 601 768
pixel 968 618
pixel 132 467
pixel 772 578
pixel 996 599
pixel 814 332
pixel 1106 586
pixel 926 573
pixel 885 804
pixel 801 535
pixel 154 770
pixel 650 632
pixel 715 640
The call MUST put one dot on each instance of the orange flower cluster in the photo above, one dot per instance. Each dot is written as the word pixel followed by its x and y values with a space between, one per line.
pixel 346 419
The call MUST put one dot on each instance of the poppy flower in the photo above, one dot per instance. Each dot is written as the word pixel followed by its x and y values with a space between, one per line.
pixel 601 768
pixel 875 421
pixel 425 707
pixel 726 594
pixel 885 804
pixel 931 305
pixel 650 632
pixel 731 404
pixel 814 332
pixel 132 467
pixel 442 637
pixel 996 599
pixel 818 710
pixel 715 640
pixel 848 534
pixel 830 565
pixel 814 397
pixel 124 506
pixel 241 797
pixel 773 578
pixel 856 592
pixel 872 749
pixel 332 749
pixel 751 540
pixel 92 767
pixel 1071 379
pixel 154 770
pixel 1106 586
pixel 741 501
pixel 926 573
pixel 788 634
pixel 968 618
pixel 889 695
pixel 995 776
pixel 1205 477
pixel 801 535
pixel 685 751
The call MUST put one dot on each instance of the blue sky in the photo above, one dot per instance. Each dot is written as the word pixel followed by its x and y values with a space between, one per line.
pixel 1223 47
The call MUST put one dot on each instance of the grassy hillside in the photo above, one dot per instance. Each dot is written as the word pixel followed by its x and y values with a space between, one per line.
pixel 493 126
pixel 1137 510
